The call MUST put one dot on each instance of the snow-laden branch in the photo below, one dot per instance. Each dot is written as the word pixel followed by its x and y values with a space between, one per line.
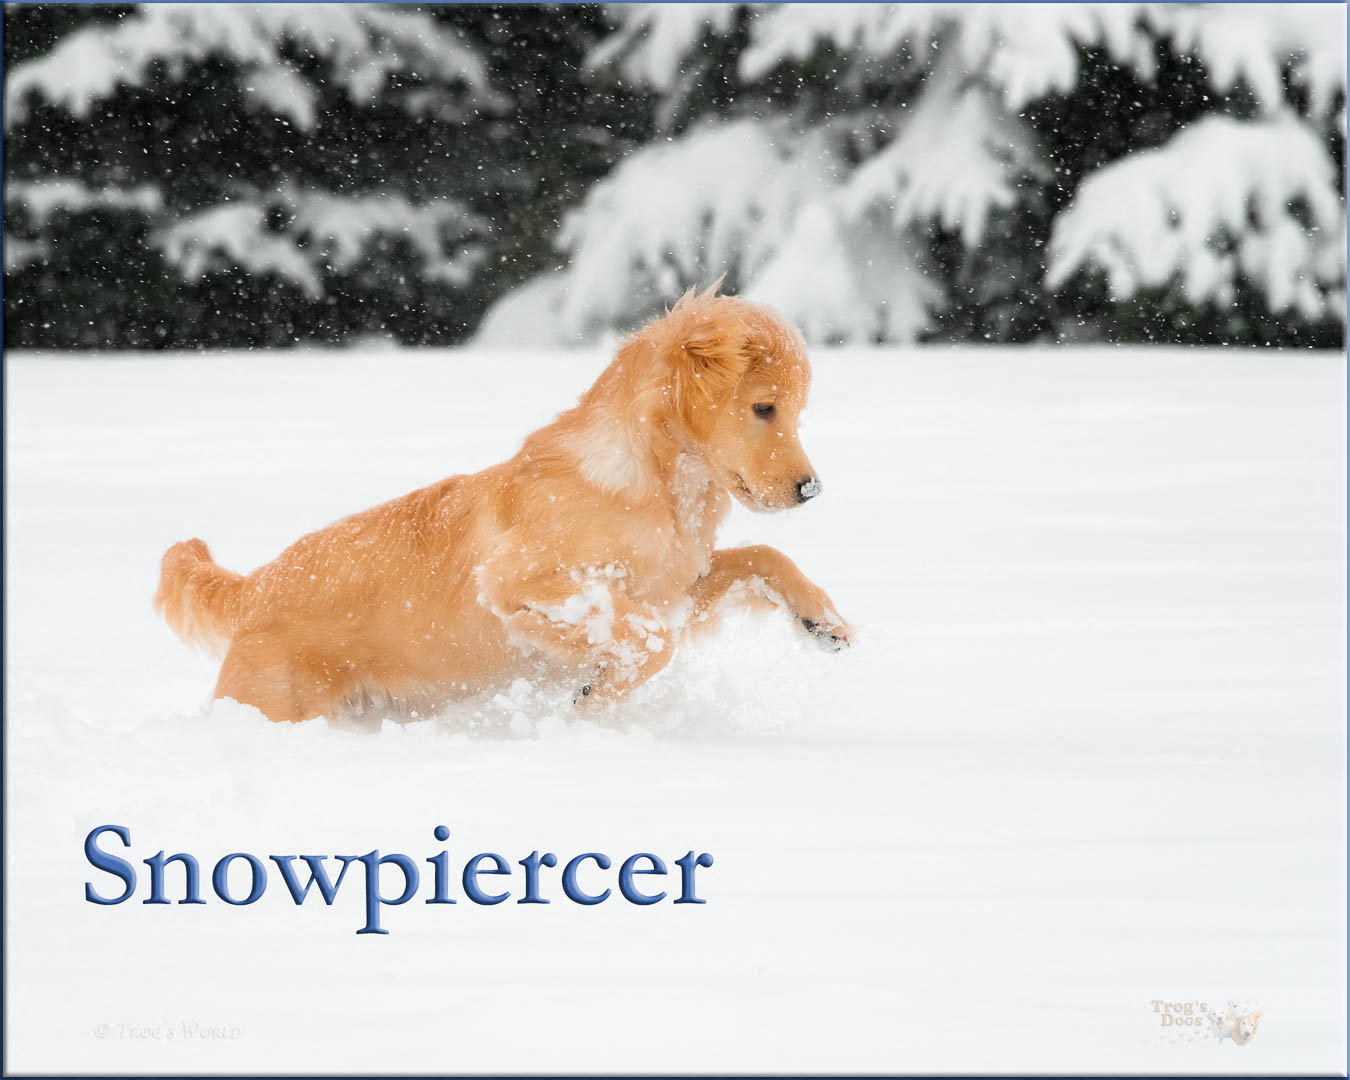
pixel 845 280
pixel 1031 50
pixel 719 199
pixel 1253 45
pixel 325 232
pixel 763 203
pixel 1223 199
pixel 366 43
pixel 984 154
pixel 30 204
pixel 652 40
pixel 40 199
pixel 235 234
pixel 1025 50
pixel 793 32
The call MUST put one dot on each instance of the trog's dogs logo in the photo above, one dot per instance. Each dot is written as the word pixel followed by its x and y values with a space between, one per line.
pixel 1236 1022
pixel 1233 1023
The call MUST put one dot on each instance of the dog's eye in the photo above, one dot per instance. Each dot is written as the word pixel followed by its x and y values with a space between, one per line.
pixel 764 410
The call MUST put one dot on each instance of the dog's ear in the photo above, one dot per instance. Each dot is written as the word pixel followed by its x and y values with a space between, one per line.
pixel 708 351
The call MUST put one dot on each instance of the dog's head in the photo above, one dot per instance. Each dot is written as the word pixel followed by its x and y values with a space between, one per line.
pixel 736 377
pixel 1246 1028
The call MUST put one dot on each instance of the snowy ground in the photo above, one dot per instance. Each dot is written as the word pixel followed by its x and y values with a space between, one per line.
pixel 1090 752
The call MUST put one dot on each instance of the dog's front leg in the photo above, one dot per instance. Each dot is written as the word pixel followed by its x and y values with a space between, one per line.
pixel 763 577
pixel 614 643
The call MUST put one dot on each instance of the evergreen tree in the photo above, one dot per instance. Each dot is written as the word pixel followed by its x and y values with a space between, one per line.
pixel 182 175
pixel 980 172
pixel 214 174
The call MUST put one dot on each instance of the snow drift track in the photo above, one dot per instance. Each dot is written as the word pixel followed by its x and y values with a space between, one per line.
pixel 1090 752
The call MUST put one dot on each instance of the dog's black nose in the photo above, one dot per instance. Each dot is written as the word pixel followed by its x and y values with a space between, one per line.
pixel 808 489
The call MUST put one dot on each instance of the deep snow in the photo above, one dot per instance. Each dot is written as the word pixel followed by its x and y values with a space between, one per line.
pixel 1089 753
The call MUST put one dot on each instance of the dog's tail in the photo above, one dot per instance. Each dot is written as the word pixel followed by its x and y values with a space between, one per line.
pixel 198 599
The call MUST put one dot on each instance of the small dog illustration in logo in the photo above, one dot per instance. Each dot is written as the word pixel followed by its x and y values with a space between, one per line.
pixel 1229 1025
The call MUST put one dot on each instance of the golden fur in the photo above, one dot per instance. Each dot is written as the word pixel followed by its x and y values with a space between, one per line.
pixel 587 555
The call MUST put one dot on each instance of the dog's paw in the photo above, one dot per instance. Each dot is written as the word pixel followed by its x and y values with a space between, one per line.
pixel 588 693
pixel 832 637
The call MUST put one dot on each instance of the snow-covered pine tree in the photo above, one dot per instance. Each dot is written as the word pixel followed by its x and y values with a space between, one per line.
pixel 274 61
pixel 182 174
pixel 986 172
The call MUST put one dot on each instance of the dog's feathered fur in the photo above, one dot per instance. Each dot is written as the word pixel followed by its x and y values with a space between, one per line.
pixel 591 550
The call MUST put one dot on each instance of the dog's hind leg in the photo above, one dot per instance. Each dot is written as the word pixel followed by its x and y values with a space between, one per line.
pixel 262 669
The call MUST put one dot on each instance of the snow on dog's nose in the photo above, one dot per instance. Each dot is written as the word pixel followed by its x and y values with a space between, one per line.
pixel 808 489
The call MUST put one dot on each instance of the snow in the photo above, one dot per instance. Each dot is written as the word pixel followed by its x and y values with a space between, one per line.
pixel 847 279
pixel 324 231
pixel 528 316
pixel 1032 50
pixel 652 40
pixel 1027 50
pixel 236 234
pixel 591 606
pixel 1089 751
pixel 33 202
pixel 951 145
pixel 722 195
pixel 1250 45
pixel 791 33
pixel 1216 200
pixel 280 88
pixel 988 155
pixel 365 42
pixel 42 198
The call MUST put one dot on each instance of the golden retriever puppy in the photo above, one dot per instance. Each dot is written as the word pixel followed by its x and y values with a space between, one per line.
pixel 587 556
